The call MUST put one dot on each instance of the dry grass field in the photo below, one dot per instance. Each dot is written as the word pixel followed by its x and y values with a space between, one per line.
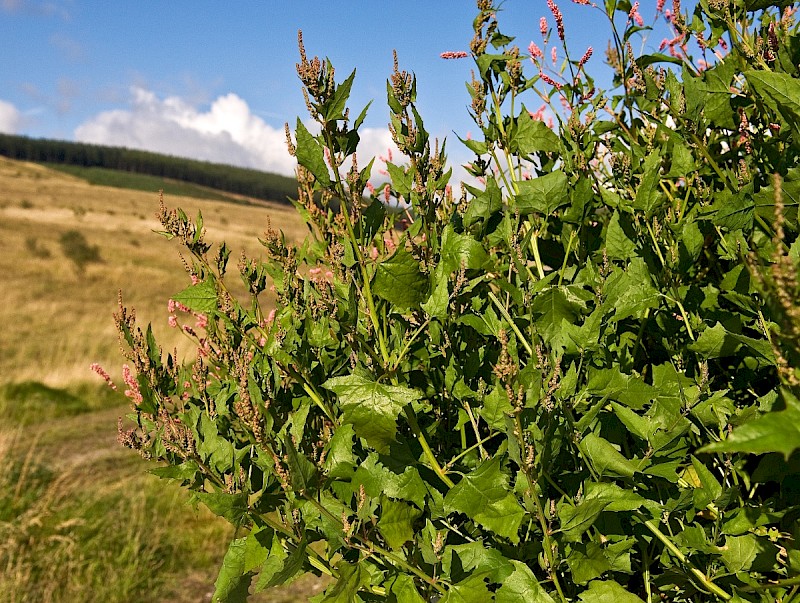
pixel 80 519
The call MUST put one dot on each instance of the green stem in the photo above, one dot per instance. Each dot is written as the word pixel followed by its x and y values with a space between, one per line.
pixel 455 459
pixel 372 547
pixel 339 190
pixel 511 323
pixel 704 580
pixel 547 543
pixel 793 581
pixel 434 464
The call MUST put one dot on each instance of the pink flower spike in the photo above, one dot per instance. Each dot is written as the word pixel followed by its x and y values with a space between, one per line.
pixel 101 371
pixel 387 192
pixel 586 56
pixel 634 15
pixel 548 80
pixel 543 26
pixel 454 54
pixel 535 51
pixel 554 54
pixel 558 17
pixel 660 6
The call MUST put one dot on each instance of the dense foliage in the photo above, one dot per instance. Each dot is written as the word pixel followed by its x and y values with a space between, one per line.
pixel 241 181
pixel 574 382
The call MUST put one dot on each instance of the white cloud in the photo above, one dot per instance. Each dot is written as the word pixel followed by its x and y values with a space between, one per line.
pixel 10 117
pixel 226 132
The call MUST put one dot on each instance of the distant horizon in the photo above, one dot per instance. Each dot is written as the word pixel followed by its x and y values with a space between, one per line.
pixel 199 81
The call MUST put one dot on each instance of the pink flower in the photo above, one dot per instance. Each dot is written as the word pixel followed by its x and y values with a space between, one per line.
pixel 454 54
pixel 373 253
pixel 535 51
pixel 558 17
pixel 370 188
pixel 195 279
pixel 538 115
pixel 554 54
pixel 660 6
pixel 548 80
pixel 271 317
pixel 172 321
pixel 106 377
pixel 388 241
pixel 634 15
pixel 584 2
pixel 387 192
pixel 543 26
pixel 586 56
pixel 133 386
pixel 202 321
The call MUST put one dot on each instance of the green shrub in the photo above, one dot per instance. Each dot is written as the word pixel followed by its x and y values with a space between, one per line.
pixel 78 250
pixel 576 381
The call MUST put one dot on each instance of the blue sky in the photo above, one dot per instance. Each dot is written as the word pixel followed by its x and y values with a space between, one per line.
pixel 216 80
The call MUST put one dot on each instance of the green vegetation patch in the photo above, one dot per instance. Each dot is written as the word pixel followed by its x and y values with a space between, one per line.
pixel 141 182
pixel 31 402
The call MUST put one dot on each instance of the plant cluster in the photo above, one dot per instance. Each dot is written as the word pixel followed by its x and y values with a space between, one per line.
pixel 576 381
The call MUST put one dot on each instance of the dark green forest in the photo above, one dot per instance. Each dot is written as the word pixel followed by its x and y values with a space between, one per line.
pixel 241 181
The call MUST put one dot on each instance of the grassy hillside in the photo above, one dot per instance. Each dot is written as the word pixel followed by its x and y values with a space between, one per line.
pixel 142 182
pixel 80 519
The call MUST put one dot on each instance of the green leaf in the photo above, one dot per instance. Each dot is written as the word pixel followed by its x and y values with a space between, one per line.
pixel 201 297
pixel 404 590
pixel 352 577
pixel 232 507
pixel 215 449
pixel 280 568
pixel 461 250
pixel 772 432
pixel 544 194
pixel 402 480
pixel 521 585
pixel 781 88
pixel 371 407
pixel 233 582
pixel 438 300
pixel 496 406
pixel 576 520
pixel 617 499
pixel 618 245
pixel 587 562
pixel 399 280
pixel 483 203
pixel 607 591
pixel 470 590
pixel 301 471
pixel 310 155
pixel 533 135
pixel 396 523
pixel 739 552
pixel 334 109
pixel 630 292
pixel 484 496
pixel 340 461
pixel 554 307
pixel 272 565
pixel 606 459
pixel 647 194
pixel 718 342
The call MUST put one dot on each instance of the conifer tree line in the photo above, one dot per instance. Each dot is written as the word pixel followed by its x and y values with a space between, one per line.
pixel 243 181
